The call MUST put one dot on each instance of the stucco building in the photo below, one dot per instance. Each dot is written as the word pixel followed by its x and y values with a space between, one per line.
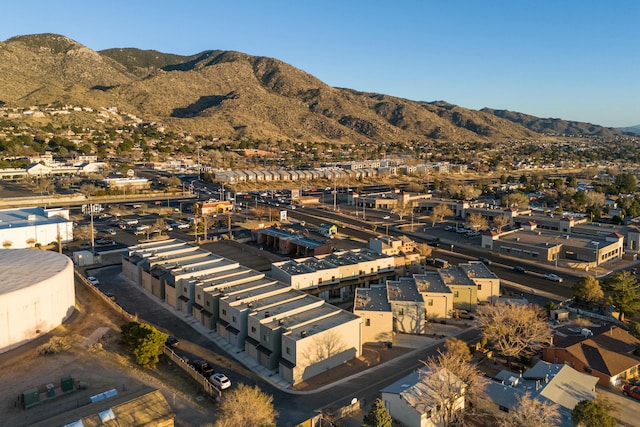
pixel 33 300
pixel 30 227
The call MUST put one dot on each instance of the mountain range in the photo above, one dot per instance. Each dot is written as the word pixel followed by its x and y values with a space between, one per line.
pixel 229 94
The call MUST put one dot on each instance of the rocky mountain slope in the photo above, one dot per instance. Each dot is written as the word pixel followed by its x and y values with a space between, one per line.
pixel 233 95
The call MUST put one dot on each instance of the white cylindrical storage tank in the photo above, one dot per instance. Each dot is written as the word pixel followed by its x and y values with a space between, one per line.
pixel 37 294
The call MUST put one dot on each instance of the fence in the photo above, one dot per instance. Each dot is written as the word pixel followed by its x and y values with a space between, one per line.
pixel 183 364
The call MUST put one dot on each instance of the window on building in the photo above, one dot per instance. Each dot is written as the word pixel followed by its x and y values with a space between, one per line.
pixel 479 287
pixel 224 311
pixel 198 297
pixel 430 302
pixel 253 329
pixel 233 319
pixel 401 311
pixel 207 303
pixel 287 350
pixel 456 294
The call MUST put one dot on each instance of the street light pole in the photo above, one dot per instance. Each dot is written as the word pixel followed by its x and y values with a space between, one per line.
pixel 597 259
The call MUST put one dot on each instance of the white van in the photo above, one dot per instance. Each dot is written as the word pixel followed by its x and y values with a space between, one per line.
pixel 141 229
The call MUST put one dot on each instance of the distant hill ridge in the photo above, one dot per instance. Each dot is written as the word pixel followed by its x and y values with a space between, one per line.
pixel 235 95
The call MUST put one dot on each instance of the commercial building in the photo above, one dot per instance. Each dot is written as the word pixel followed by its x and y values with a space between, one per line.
pixel 31 227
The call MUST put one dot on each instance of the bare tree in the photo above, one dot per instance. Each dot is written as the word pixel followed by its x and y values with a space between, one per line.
pixel 161 225
pixel 459 348
pixel 500 221
pixel 594 198
pixel 468 192
pixel 439 212
pixel 424 250
pixel 403 209
pixel 514 329
pixel 477 221
pixel 246 406
pixel 531 412
pixel 44 185
pixel 89 189
pixel 448 379
pixel 84 232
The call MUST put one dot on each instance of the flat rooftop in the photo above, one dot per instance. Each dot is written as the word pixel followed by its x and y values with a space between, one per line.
pixel 540 238
pixel 477 269
pixel 317 320
pixel 403 289
pixel 256 293
pixel 277 314
pixel 431 282
pixel 372 299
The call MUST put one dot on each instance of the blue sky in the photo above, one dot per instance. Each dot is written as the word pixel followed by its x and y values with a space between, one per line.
pixel 570 59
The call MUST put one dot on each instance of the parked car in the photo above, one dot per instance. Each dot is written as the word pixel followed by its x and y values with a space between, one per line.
pixel 631 390
pixel 203 367
pixel 485 261
pixel 220 381
pixel 519 269
pixel 386 217
pixel 111 232
pixel 93 280
pixel 553 277
pixel 171 342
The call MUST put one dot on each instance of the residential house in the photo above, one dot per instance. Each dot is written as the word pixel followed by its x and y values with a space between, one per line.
pixel 607 353
pixel 417 399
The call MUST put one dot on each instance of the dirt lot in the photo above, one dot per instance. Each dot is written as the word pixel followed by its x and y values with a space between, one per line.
pixel 97 358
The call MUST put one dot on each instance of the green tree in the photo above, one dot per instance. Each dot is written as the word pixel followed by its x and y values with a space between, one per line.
pixel 588 413
pixel 145 342
pixel 246 406
pixel 626 183
pixel 588 290
pixel 378 416
pixel 623 290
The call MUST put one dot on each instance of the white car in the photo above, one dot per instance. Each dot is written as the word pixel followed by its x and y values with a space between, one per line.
pixel 220 381
pixel 93 280
pixel 386 217
pixel 553 277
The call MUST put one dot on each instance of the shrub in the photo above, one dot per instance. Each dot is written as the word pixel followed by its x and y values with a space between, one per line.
pixel 54 346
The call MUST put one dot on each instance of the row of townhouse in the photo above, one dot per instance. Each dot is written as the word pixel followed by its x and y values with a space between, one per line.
pixel 274 175
pixel 334 277
pixel 408 304
pixel 295 334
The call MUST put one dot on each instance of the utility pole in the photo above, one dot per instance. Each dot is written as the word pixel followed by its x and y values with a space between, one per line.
pixel 92 242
